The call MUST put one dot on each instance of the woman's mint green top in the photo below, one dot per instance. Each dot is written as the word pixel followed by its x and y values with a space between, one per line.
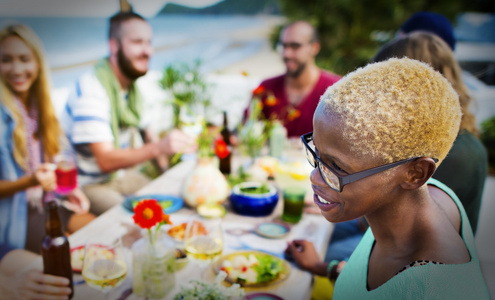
pixel 430 281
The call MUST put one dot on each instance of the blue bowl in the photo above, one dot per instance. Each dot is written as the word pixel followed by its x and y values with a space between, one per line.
pixel 254 205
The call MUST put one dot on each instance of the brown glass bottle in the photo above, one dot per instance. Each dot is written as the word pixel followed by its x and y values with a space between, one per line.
pixel 55 248
pixel 225 163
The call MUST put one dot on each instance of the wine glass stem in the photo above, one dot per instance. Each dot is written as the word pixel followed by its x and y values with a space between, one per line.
pixel 204 269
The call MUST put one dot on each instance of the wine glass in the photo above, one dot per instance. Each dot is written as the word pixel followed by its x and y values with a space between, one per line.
pixel 104 265
pixel 203 240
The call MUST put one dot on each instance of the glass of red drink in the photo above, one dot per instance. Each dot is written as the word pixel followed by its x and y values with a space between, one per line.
pixel 66 174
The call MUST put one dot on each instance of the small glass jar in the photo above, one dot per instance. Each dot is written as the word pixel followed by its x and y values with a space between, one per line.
pixel 278 139
pixel 153 266
pixel 293 204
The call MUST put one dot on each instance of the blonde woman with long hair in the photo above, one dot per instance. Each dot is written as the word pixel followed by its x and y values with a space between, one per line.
pixel 31 137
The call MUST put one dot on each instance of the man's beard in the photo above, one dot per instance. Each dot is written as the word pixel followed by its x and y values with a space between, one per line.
pixel 126 66
pixel 298 71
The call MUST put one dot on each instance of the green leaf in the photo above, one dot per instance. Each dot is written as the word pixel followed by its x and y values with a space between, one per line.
pixel 268 268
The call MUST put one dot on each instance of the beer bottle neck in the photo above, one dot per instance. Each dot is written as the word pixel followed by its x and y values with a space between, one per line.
pixel 225 120
pixel 225 130
pixel 53 225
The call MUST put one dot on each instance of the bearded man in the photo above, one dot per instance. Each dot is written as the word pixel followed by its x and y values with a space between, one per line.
pixel 292 97
pixel 103 119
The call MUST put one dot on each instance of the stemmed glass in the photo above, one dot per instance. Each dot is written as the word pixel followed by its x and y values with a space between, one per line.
pixel 203 240
pixel 104 266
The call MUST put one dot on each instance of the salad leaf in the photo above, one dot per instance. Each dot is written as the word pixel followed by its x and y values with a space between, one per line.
pixel 268 268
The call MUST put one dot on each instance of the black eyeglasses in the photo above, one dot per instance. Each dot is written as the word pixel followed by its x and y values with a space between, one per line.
pixel 336 181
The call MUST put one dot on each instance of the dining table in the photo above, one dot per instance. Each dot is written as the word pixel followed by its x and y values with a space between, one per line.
pixel 238 235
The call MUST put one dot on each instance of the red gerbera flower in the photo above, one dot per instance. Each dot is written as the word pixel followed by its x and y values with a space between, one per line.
pixel 259 90
pixel 221 148
pixel 148 213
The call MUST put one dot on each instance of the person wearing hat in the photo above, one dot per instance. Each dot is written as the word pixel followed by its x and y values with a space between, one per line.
pixel 430 22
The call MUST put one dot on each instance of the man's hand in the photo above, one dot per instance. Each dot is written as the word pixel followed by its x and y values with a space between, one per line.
pixel 176 141
pixel 34 285
pixel 45 176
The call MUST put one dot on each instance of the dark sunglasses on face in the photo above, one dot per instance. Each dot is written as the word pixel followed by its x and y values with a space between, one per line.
pixel 330 176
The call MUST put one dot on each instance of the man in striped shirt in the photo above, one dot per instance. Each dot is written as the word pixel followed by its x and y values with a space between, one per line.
pixel 104 119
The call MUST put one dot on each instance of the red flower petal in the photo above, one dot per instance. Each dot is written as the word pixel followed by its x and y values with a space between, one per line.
pixel 271 100
pixel 148 213
pixel 293 114
pixel 221 149
pixel 259 90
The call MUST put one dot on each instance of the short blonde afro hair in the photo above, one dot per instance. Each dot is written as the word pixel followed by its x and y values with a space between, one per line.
pixel 396 109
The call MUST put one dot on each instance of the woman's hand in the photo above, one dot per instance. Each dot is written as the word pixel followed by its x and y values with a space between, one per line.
pixel 304 254
pixel 45 176
pixel 34 285
pixel 77 202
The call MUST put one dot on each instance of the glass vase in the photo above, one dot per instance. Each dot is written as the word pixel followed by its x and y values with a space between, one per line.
pixel 205 184
pixel 153 267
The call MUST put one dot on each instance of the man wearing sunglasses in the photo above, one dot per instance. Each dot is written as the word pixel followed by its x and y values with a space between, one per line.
pixel 292 97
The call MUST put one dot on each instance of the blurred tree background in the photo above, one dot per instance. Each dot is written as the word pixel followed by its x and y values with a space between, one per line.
pixel 352 30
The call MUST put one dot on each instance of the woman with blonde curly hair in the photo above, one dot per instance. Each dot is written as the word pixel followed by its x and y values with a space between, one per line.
pixel 465 167
pixel 31 137
pixel 379 135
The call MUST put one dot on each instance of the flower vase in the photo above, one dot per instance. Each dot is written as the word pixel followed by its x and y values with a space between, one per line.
pixel 205 184
pixel 153 267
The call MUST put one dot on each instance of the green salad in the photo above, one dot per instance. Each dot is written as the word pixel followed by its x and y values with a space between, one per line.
pixel 252 268
pixel 268 268
pixel 262 189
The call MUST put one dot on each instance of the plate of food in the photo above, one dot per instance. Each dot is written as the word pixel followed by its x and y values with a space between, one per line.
pixel 252 268
pixel 77 256
pixel 178 232
pixel 169 203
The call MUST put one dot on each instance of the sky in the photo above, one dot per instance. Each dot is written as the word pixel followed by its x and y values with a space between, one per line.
pixel 87 8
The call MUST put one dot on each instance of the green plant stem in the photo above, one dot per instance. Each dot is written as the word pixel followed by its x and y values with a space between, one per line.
pixel 151 235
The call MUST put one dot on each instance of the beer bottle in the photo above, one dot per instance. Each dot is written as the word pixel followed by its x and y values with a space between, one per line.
pixel 55 248
pixel 225 163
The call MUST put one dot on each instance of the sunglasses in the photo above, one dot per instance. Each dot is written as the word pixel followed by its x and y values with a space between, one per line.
pixel 336 181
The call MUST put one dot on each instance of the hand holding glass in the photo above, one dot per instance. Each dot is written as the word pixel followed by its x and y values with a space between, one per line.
pixel 66 174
